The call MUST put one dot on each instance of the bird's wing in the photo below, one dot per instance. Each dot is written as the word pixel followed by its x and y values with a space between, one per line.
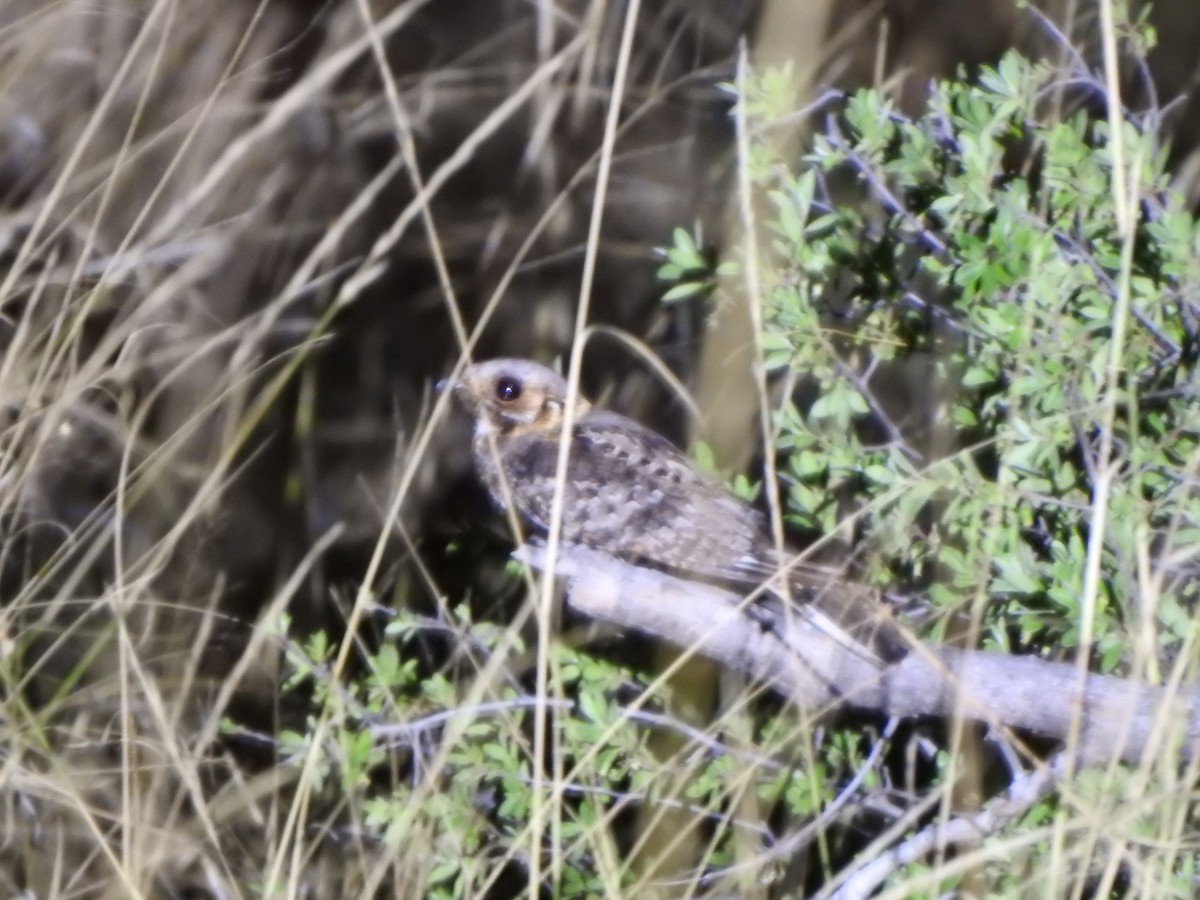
pixel 632 493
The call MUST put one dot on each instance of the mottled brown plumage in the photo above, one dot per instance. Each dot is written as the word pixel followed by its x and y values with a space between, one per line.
pixel 628 492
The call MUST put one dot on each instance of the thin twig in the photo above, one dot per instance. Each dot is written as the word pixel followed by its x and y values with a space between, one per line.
pixel 1025 791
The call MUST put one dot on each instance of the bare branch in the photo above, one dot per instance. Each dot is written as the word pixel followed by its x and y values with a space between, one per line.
pixel 1119 720
pixel 1026 790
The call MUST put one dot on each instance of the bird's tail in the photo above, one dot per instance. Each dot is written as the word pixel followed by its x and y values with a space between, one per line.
pixel 853 615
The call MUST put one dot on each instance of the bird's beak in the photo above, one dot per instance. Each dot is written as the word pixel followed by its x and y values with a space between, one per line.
pixel 458 387
pixel 450 384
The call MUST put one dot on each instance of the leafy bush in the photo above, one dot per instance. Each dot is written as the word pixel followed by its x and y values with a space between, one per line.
pixel 988 361
pixel 410 755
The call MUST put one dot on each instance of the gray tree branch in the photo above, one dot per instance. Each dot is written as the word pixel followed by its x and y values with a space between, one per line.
pixel 1116 718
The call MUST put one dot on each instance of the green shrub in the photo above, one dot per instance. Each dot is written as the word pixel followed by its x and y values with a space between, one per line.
pixel 976 349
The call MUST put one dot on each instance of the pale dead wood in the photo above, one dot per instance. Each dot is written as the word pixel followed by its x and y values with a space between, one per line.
pixel 1119 719
pixel 1026 790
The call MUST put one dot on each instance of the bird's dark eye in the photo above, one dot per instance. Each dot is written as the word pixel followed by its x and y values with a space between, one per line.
pixel 508 389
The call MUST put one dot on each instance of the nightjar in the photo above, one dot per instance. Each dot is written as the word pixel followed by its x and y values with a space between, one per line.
pixel 631 493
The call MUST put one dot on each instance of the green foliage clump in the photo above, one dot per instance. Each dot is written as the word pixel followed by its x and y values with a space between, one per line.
pixel 414 757
pixel 989 359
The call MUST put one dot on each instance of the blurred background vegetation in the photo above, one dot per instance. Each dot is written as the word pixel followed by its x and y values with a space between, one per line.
pixel 240 242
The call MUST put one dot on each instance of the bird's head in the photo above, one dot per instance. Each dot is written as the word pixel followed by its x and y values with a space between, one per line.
pixel 511 396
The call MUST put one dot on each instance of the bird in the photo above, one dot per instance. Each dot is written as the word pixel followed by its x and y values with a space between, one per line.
pixel 632 494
